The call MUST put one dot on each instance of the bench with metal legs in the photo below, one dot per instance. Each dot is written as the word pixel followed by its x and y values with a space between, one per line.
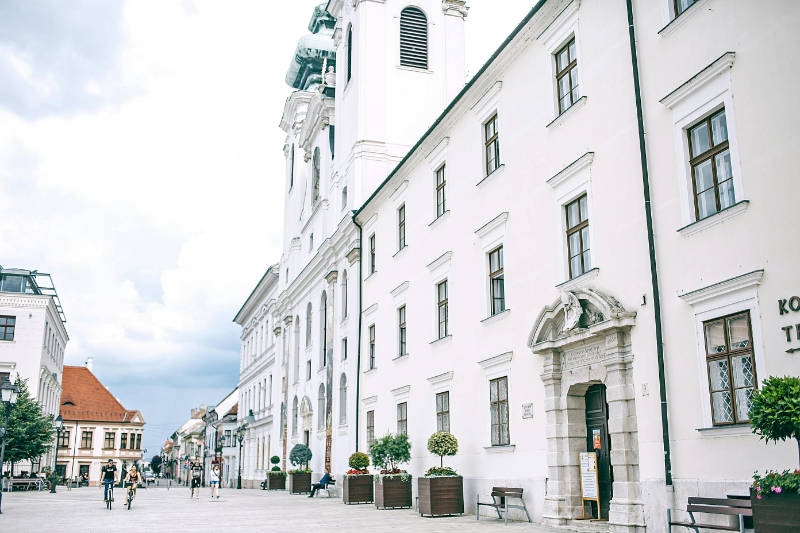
pixel 500 498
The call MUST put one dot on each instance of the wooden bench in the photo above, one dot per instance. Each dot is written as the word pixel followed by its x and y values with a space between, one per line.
pixel 28 484
pixel 720 506
pixel 500 498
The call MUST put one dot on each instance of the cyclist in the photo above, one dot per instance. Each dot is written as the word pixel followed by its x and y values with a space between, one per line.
pixel 133 478
pixel 197 472
pixel 109 472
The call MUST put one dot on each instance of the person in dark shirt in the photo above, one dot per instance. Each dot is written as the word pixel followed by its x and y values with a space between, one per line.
pixel 109 475
pixel 197 473
pixel 323 482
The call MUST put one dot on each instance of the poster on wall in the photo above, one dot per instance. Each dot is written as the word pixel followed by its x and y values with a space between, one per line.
pixel 596 439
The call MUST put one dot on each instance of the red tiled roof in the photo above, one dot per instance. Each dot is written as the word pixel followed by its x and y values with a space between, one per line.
pixel 234 410
pixel 83 397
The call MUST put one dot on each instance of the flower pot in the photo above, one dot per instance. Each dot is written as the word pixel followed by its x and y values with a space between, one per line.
pixel 276 482
pixel 776 513
pixel 357 489
pixel 393 492
pixel 440 496
pixel 300 483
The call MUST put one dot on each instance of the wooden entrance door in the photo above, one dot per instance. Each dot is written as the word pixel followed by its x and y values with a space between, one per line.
pixel 598 441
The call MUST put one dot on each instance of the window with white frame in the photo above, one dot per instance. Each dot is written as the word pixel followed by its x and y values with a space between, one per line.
pixel 372 346
pixel 344 348
pixel 682 5
pixel 497 291
pixel 401 331
pixel 401 227
pixel 370 427
pixel 343 399
pixel 567 76
pixel 402 418
pixel 491 145
pixel 443 411
pixel 441 183
pixel 710 160
pixel 577 222
pixel 344 294
pixel 442 309
pixel 372 254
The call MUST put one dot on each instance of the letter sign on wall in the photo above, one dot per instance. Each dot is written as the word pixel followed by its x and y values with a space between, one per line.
pixel 785 307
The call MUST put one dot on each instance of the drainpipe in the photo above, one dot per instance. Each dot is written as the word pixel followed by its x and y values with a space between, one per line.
pixel 358 338
pixel 662 386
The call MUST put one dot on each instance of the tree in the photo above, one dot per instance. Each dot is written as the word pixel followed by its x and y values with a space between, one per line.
pixel 300 456
pixel 775 409
pixel 29 432
pixel 390 451
pixel 155 464
pixel 442 443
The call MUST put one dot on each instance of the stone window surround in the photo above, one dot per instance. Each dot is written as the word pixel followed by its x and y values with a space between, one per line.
pixel 739 293
pixel 490 236
pixel 704 93
pixel 553 38
pixel 435 159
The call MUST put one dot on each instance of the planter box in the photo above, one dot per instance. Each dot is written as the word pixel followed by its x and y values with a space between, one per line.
pixel 776 513
pixel 276 482
pixel 357 489
pixel 392 493
pixel 440 496
pixel 299 483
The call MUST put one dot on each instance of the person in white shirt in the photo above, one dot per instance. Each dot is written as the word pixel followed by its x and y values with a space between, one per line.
pixel 214 482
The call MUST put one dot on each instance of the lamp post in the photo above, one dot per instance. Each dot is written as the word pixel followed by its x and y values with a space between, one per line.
pixel 58 425
pixel 240 432
pixel 8 396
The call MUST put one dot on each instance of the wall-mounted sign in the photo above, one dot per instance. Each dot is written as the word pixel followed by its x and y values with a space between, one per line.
pixel 785 307
pixel 596 445
pixel 527 410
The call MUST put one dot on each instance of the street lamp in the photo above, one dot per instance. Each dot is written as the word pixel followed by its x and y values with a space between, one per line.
pixel 58 425
pixel 240 431
pixel 8 395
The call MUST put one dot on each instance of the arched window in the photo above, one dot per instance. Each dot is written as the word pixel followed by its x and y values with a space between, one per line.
pixel 294 417
pixel 315 175
pixel 413 38
pixel 291 167
pixel 321 407
pixel 343 400
pixel 349 52
pixel 296 349
pixel 344 294
pixel 308 324
pixel 323 326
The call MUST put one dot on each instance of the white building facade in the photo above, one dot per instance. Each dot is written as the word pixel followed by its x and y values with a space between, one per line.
pixel 510 295
pixel 220 423
pixel 33 337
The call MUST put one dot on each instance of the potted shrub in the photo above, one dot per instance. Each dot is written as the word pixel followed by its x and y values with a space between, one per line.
pixel 775 415
pixel 441 491
pixel 392 486
pixel 276 478
pixel 300 476
pixel 357 487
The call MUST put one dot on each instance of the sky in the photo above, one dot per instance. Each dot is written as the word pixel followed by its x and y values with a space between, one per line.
pixel 141 165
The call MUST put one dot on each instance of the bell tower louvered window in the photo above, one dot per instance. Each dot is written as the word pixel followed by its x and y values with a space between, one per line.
pixel 413 38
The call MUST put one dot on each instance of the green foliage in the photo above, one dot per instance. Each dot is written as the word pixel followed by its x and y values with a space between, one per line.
pixel 276 468
pixel 775 409
pixel 29 432
pixel 155 464
pixel 442 443
pixel 300 456
pixel 359 461
pixel 274 459
pixel 390 451
pixel 440 471
pixel 776 483
pixel 277 473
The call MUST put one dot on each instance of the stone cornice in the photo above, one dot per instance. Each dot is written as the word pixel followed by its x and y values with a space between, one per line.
pixel 743 281
pixel 719 66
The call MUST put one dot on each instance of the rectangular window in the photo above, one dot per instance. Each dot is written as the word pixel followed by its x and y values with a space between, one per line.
pixel 577 213
pixel 402 418
pixel 441 294
pixel 344 198
pixel 497 281
pixel 567 76
pixel 123 441
pixel 132 441
pixel 63 439
pixel 731 369
pixel 401 331
pixel 370 427
pixel 308 370
pixel 372 254
pixel 344 348
pixel 7 326
pixel 227 438
pixel 138 441
pixel 710 159
pixel 491 145
pixel 441 206
pixel 498 405
pixel 110 440
pixel 443 411
pixel 683 5
pixel 372 347
pixel 86 439
pixel 401 227
pixel 83 470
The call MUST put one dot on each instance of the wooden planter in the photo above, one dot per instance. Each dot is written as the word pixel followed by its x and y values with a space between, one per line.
pixel 300 483
pixel 276 482
pixel 440 496
pixel 776 513
pixel 392 493
pixel 357 489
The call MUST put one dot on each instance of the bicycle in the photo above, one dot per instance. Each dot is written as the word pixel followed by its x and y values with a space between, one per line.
pixel 129 485
pixel 110 496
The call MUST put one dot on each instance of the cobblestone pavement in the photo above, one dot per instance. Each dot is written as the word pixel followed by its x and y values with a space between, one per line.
pixel 159 509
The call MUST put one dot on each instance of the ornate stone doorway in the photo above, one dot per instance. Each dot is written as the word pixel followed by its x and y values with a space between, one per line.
pixel 583 340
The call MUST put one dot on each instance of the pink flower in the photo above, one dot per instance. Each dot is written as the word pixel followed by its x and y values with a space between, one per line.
pixel 758 488
pixel 778 489
pixel 758 496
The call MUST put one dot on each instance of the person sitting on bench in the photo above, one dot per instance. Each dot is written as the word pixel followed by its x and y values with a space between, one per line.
pixel 323 482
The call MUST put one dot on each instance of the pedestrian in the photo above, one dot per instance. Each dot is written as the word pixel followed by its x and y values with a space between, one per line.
pixel 197 472
pixel 322 483
pixel 214 482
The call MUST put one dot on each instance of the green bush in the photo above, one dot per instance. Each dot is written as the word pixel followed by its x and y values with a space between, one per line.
pixel 775 409
pixel 300 456
pixel 442 443
pixel 390 450
pixel 359 461
pixel 274 459
pixel 276 468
